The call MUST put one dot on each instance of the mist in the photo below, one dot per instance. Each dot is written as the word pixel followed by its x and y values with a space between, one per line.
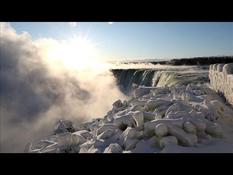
pixel 36 91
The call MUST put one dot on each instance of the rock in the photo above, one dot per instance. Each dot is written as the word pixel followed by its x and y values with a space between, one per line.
pixel 152 104
pixel 122 122
pixel 168 140
pixel 214 129
pixel 149 127
pixel 176 115
pixel 130 144
pixel 117 104
pixel 160 90
pixel 148 116
pixel 63 126
pixel 91 146
pixel 198 123
pixel 187 96
pixel 85 147
pixel 44 146
pixel 141 91
pixel 77 138
pixel 106 134
pixel 178 106
pixel 129 138
pixel 153 141
pixel 137 108
pixel 84 133
pixel 131 133
pixel 184 138
pixel 113 148
pixel 66 139
pixel 106 127
pixel 139 118
pixel 93 150
pixel 161 130
pixel 138 102
pixel 189 127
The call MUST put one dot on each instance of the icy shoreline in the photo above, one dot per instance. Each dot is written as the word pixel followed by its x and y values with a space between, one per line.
pixel 192 118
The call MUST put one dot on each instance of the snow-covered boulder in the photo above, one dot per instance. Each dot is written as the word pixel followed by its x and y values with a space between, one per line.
pixel 106 127
pixel 186 139
pixel 168 140
pixel 141 91
pixel 106 134
pixel 189 127
pixel 159 102
pixel 138 118
pixel 214 129
pixel 176 115
pixel 78 138
pixel 177 107
pixel 92 146
pixel 63 126
pixel 117 104
pixel 187 96
pixel 161 130
pixel 130 144
pixel 130 137
pixel 122 122
pixel 160 91
pixel 113 148
pixel 84 133
pixel 148 116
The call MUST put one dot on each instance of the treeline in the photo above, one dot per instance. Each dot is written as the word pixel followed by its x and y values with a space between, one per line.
pixel 197 60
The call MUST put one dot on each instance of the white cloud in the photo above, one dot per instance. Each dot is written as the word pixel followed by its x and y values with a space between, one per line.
pixel 73 24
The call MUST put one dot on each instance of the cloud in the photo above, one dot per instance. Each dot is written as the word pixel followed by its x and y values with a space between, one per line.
pixel 73 24
pixel 34 93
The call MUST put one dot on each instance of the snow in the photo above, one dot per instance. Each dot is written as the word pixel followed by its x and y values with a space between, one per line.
pixel 176 119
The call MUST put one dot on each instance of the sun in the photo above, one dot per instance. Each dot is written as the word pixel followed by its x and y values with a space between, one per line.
pixel 77 53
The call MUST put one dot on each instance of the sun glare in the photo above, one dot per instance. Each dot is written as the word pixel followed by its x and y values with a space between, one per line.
pixel 77 53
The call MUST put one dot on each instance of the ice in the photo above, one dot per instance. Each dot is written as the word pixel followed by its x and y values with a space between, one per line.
pixel 181 118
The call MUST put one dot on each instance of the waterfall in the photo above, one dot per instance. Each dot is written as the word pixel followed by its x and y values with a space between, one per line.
pixel 128 79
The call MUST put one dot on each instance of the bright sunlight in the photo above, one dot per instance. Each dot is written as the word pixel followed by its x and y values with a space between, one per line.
pixel 77 53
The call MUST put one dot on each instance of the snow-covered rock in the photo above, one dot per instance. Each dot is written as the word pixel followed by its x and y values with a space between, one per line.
pixel 106 127
pixel 141 91
pixel 84 133
pixel 78 138
pixel 113 148
pixel 189 127
pixel 161 130
pixel 106 134
pixel 153 120
pixel 138 118
pixel 122 122
pixel 184 138
pixel 168 140
pixel 130 137
pixel 63 126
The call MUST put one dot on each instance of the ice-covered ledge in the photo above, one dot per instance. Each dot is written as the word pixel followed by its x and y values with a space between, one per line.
pixel 221 79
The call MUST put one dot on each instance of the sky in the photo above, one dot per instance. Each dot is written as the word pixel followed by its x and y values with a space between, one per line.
pixel 141 40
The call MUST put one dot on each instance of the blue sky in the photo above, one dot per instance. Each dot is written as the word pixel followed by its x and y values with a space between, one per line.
pixel 138 40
